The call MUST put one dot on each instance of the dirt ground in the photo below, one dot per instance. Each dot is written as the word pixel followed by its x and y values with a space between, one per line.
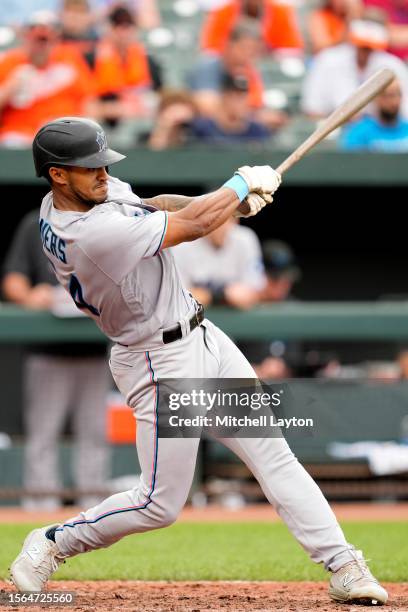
pixel 217 596
pixel 204 596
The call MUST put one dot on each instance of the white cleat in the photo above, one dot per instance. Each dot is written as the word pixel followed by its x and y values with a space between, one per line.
pixel 354 583
pixel 37 561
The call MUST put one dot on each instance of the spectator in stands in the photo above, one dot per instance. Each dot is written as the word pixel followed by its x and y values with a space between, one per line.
pixel 278 24
pixel 225 267
pixel 40 80
pixel 234 121
pixel 146 11
pixel 338 71
pixel 59 379
pixel 123 71
pixel 172 126
pixel 328 25
pixel 177 122
pixel 238 59
pixel 77 27
pixel 396 12
pixel 17 12
pixel 276 358
pixel 385 131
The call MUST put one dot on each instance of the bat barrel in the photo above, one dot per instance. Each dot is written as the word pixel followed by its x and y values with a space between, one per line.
pixel 360 98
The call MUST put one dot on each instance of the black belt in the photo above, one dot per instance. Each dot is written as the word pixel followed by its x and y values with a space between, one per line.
pixel 175 333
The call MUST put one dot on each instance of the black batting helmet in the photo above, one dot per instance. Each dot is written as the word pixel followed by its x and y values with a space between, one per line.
pixel 72 141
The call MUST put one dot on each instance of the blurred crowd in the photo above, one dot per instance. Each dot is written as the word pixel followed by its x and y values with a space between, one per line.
pixel 163 73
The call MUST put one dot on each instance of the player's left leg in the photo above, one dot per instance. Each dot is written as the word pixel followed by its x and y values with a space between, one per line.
pixel 294 494
pixel 167 465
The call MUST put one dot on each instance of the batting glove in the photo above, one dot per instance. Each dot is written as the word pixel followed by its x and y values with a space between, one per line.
pixel 261 179
pixel 254 203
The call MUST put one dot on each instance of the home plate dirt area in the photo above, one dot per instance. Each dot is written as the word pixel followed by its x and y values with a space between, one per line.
pixel 202 596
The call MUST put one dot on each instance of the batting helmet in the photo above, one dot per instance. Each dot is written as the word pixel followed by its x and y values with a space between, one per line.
pixel 72 141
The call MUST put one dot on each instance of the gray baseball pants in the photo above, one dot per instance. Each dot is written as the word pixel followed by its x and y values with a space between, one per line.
pixel 168 464
pixel 54 388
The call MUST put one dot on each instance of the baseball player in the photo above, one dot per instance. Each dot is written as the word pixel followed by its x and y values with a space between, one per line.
pixel 112 252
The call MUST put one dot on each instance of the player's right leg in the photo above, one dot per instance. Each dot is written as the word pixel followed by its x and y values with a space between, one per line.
pixel 167 466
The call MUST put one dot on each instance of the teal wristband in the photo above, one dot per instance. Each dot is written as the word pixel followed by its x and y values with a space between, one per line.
pixel 237 184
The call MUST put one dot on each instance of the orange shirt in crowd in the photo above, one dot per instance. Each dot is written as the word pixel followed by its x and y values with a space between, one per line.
pixel 113 75
pixel 59 89
pixel 279 26
pixel 327 28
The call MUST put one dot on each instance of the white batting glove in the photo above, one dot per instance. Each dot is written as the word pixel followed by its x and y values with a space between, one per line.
pixel 254 203
pixel 261 179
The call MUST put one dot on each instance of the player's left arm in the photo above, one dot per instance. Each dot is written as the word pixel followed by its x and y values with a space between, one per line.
pixel 169 202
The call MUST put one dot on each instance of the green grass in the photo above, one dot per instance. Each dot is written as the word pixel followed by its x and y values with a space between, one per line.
pixel 220 551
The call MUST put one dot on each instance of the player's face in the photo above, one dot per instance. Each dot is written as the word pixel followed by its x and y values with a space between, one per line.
pixel 88 185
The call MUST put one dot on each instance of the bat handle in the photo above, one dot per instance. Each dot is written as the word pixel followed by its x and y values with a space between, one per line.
pixel 281 169
pixel 288 163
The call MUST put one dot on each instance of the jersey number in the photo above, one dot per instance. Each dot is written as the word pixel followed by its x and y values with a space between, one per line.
pixel 77 295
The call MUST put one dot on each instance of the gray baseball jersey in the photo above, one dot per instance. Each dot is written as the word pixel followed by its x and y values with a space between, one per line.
pixel 110 260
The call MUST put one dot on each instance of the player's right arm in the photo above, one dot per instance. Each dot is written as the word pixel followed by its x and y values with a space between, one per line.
pixel 205 213
pixel 116 242
pixel 200 217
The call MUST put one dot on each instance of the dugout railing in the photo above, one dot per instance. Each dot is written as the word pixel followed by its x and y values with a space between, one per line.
pixel 200 165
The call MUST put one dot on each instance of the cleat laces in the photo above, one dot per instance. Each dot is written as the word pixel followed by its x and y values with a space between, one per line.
pixel 48 565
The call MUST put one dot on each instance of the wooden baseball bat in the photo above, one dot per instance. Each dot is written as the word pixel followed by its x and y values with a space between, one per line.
pixel 362 96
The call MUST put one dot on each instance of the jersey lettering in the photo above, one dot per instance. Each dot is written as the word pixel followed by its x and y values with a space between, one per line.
pixel 52 242
pixel 77 295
